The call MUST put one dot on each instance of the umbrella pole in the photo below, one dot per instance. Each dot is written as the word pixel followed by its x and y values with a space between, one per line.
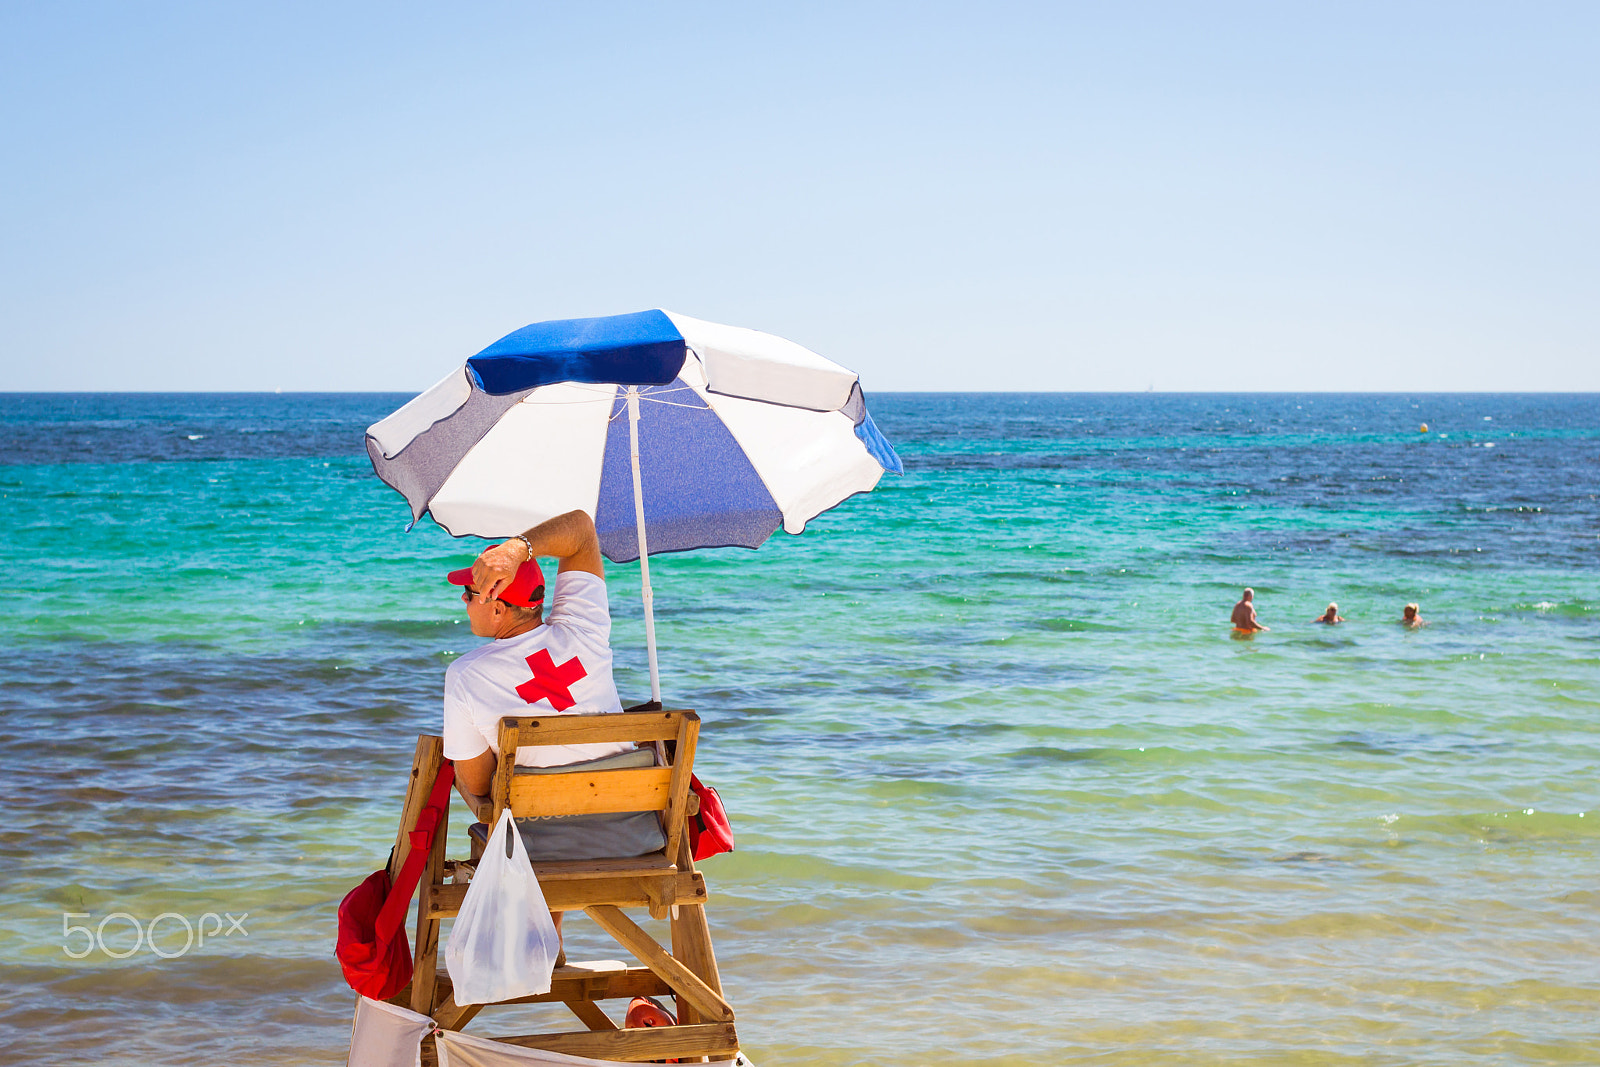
pixel 645 592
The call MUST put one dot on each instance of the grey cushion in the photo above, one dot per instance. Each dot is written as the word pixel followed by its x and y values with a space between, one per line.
pixel 587 837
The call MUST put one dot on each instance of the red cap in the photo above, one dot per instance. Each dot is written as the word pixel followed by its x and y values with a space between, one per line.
pixel 526 589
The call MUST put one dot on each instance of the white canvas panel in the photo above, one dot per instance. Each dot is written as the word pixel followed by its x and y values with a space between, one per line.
pixel 542 459
pixel 441 400
pixel 809 460
pixel 384 1035
pixel 462 1050
pixel 761 366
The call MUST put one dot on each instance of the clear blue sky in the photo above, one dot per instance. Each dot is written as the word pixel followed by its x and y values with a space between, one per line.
pixel 1382 196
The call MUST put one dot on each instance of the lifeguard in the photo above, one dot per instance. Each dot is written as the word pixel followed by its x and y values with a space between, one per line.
pixel 537 662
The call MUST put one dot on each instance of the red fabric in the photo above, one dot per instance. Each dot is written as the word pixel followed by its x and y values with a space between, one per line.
pixel 526 588
pixel 709 831
pixel 372 947
pixel 551 682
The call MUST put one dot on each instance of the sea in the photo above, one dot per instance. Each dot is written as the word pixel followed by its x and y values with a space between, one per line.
pixel 1007 788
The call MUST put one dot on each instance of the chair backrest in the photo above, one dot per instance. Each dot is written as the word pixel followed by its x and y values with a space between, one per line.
pixel 664 789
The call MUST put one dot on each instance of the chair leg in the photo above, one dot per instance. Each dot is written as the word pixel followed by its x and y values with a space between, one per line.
pixel 452 1016
pixel 425 967
pixel 691 946
pixel 425 766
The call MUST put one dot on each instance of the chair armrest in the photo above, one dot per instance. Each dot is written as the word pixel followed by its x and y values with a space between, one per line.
pixel 481 807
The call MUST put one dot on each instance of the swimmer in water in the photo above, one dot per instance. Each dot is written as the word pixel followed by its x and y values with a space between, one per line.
pixel 1331 616
pixel 1412 618
pixel 1244 614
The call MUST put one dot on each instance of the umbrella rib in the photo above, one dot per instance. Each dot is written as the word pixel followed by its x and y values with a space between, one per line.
pixel 615 415
pixel 655 398
pixel 602 399
pixel 674 404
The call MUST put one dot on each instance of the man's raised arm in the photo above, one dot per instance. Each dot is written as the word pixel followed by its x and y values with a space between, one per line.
pixel 571 538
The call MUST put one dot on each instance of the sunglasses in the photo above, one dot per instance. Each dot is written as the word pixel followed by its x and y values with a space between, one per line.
pixel 469 594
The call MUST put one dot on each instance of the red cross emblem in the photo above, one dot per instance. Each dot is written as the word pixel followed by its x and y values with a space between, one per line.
pixel 551 682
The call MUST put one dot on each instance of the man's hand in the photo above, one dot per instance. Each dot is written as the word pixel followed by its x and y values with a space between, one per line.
pixel 571 538
pixel 496 566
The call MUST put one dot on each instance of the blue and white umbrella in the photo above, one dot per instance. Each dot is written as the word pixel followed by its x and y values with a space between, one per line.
pixel 729 433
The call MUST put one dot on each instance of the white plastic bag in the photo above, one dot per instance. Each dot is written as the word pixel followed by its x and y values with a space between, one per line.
pixel 503 944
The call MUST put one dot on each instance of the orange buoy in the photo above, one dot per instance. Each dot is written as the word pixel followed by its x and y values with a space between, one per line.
pixel 1423 428
pixel 648 1012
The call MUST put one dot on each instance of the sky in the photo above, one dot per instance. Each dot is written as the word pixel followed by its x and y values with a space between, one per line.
pixel 1070 196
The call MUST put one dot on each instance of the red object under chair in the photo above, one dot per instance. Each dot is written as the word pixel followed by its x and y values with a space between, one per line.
pixel 649 1012
pixel 372 947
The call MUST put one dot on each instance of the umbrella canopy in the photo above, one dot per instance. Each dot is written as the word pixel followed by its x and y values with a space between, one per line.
pixel 740 432
pixel 672 432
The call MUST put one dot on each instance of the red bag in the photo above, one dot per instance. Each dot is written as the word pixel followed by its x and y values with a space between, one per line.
pixel 372 946
pixel 709 832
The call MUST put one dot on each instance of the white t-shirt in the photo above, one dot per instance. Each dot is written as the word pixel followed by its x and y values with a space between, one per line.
pixel 562 666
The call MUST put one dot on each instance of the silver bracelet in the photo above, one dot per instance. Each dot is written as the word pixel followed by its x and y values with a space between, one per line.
pixel 526 542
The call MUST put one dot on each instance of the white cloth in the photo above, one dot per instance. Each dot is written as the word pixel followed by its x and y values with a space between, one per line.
pixel 387 1036
pixel 460 1050
pixel 383 1035
pixel 563 666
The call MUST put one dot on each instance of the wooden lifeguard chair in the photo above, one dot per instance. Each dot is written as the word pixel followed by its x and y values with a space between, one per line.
pixel 664 882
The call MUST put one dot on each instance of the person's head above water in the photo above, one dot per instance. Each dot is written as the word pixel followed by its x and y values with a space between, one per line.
pixel 1411 613
pixel 518 608
pixel 1332 612
pixel 1249 594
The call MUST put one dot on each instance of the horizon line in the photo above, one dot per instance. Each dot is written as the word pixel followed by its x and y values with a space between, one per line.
pixel 875 392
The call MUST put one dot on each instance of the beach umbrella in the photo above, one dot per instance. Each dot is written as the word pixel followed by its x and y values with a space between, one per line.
pixel 672 432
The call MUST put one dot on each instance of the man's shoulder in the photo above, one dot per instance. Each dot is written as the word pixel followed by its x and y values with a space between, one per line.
pixel 464 663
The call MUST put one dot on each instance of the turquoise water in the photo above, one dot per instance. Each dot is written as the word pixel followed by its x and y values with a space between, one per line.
pixel 1006 788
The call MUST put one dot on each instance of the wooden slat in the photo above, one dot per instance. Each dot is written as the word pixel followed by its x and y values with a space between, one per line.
pixel 592 729
pixel 641 1044
pixel 682 768
pixel 590 792
pixel 590 1014
pixel 424 768
pixel 606 980
pixel 634 982
pixel 652 865
pixel 572 894
pixel 684 982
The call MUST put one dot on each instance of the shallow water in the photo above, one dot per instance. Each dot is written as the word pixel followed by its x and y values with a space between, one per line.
pixel 1005 786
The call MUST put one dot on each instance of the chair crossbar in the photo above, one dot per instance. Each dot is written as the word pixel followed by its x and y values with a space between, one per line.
pixel 591 793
